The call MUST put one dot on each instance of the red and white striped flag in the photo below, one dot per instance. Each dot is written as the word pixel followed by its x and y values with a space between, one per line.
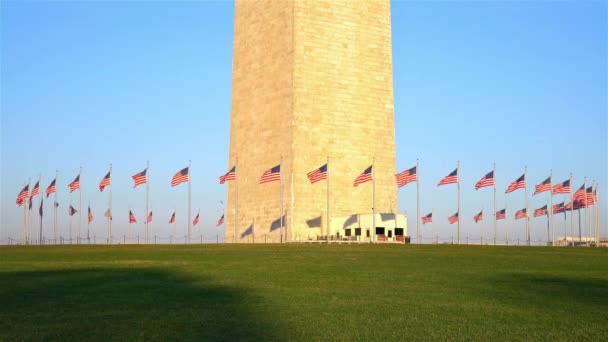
pixel 452 219
pixel 452 178
pixel 220 221
pixel 365 176
pixel 407 176
pixel 519 183
pixel 181 176
pixel 427 219
pixel 542 187
pixel 271 175
pixel 487 180
pixel 478 217
pixel 521 214
pixel 105 181
pixel 140 178
pixel 562 188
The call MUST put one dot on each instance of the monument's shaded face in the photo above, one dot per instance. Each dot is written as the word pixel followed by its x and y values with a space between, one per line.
pixel 312 84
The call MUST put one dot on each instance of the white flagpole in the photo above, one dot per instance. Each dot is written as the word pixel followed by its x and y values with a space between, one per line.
pixel 597 215
pixel 29 228
pixel 24 220
pixel 327 192
pixel 110 218
pixel 483 226
pixel 373 233
pixel 458 174
pixel 55 207
pixel 40 194
pixel 70 214
pixel 79 204
pixel 417 204
pixel 281 200
pixel 571 210
pixel 585 221
pixel 88 222
pixel 174 225
pixel 189 198
pixel 495 223
pixel 236 198
pixel 551 199
pixel 147 196
pixel 527 211
pixel 506 225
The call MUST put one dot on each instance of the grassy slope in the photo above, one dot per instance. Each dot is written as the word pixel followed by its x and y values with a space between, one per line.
pixel 303 292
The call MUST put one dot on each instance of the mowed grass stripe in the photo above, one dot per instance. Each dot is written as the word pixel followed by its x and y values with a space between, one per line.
pixel 303 292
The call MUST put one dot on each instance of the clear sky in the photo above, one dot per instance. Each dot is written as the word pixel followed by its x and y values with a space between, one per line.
pixel 88 84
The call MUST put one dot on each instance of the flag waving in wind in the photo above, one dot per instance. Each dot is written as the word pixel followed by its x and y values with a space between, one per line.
pixel 172 219
pixel 149 219
pixel 75 185
pixel 407 176
pixel 519 183
pixel 452 219
pixel 51 188
pixel 36 189
pixel 108 214
pixel 427 219
pixel 72 211
pixel 271 175
pixel 23 194
pixel 220 221
pixel 478 217
pixel 542 187
pixel 181 176
pixel 487 180
pixel 195 222
pixel 366 176
pixel 89 216
pixel 452 178
pixel 140 178
pixel 562 188
pixel 317 174
pixel 501 214
pixel 132 217
pixel 522 213
pixel 540 211
pixel 105 181
pixel 230 175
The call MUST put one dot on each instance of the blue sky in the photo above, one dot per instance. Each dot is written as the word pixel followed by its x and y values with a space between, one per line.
pixel 516 83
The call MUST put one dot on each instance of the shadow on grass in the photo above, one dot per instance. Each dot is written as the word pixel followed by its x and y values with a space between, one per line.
pixel 125 304
pixel 553 290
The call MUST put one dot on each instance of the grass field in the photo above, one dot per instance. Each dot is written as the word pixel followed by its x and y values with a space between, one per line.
pixel 303 292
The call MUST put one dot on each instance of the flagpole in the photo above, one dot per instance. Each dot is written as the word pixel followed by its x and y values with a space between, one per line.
pixel 327 192
pixel 174 225
pixel 551 199
pixel 432 225
pixel 88 223
pixel 40 206
pixel 527 209
pixel 55 208
pixel 458 174
pixel 129 223
pixel 147 196
pixel 597 215
pixel 571 210
pixel 373 233
pixel 70 214
pixel 29 227
pixel 549 210
pixel 189 198
pixel 110 218
pixel 281 199
pixel 236 198
pixel 24 220
pixel 495 226
pixel 417 203
pixel 79 204
pixel 483 226
pixel 585 194
pixel 506 225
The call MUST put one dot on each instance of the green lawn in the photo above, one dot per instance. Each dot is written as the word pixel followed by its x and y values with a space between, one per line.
pixel 303 292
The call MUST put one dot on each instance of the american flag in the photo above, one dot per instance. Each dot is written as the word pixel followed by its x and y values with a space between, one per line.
pixel 41 204
pixel 519 183
pixel 195 222
pixel 366 176
pixel 140 178
pixel 230 175
pixel 450 179
pixel 452 219
pixel 478 217
pixel 427 219
pixel 317 174
pixel 579 204
pixel 407 176
pixel 35 189
pixel 501 214
pixel 559 208
pixel 132 217
pixel 108 214
pixel 180 177
pixel 487 180
pixel 105 181
pixel 172 219
pixel 75 185
pixel 149 219
pixel 521 214
pixel 579 195
pixel 590 196
pixel 542 187
pixel 271 175
pixel 89 216
pixel 51 188
pixel 562 188
pixel 540 211
pixel 72 211
pixel 220 221
pixel 23 194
